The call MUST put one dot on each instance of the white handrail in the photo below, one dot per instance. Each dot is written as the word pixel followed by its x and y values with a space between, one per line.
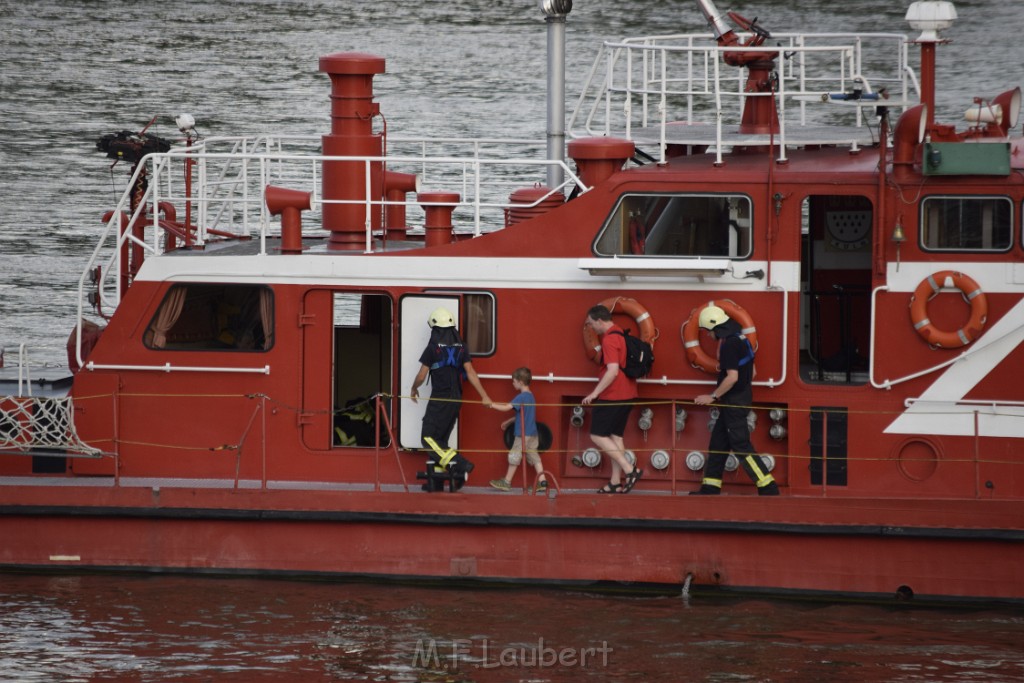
pixel 963 355
pixel 227 195
pixel 807 68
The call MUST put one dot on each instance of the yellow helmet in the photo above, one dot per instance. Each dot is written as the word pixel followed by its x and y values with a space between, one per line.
pixel 711 317
pixel 441 317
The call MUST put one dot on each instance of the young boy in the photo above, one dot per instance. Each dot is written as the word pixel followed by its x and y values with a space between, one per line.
pixel 526 424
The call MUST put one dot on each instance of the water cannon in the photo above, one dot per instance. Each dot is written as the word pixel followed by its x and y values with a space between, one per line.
pixel 759 113
pixel 726 36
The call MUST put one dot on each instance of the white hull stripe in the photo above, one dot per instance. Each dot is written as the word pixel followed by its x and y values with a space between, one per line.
pixel 937 411
pixel 525 273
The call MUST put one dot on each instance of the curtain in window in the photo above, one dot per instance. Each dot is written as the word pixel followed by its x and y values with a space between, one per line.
pixel 267 317
pixel 169 313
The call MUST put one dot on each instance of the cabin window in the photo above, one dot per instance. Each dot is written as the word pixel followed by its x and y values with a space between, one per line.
pixel 205 317
pixel 966 223
pixel 716 226
pixel 478 332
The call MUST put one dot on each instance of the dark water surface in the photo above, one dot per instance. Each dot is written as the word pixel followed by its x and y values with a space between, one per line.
pixel 169 628
pixel 71 72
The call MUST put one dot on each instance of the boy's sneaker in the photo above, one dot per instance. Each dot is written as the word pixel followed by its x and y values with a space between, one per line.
pixel 501 484
pixel 542 487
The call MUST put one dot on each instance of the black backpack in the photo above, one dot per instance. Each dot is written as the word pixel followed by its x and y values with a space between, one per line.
pixel 639 356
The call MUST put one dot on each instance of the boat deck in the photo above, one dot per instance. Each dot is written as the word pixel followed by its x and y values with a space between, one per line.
pixel 157 483
pixel 701 134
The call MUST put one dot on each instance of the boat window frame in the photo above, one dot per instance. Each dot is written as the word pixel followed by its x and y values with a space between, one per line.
pixel 624 252
pixel 921 232
pixel 466 325
pixel 268 309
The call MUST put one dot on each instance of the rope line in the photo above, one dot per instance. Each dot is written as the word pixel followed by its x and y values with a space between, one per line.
pixel 640 403
pixel 47 423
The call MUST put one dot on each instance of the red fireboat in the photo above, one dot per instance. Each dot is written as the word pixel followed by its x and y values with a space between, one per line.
pixel 253 319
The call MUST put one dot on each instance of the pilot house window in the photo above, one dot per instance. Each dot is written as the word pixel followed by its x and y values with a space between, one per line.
pixel 204 317
pixel 717 226
pixel 966 223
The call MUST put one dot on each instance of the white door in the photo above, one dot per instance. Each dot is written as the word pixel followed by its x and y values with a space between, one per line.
pixel 414 311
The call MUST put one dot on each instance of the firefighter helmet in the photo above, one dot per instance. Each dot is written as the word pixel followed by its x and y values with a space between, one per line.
pixel 711 317
pixel 441 317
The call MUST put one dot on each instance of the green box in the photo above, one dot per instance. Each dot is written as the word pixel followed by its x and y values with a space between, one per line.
pixel 966 158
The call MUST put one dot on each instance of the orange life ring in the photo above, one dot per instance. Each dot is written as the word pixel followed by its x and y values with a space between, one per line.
pixel 632 308
pixel 691 333
pixel 969 289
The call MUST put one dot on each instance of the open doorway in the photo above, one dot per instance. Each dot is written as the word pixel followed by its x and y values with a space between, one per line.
pixel 835 310
pixel 362 345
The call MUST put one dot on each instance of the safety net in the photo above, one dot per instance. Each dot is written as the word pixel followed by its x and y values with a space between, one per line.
pixel 37 425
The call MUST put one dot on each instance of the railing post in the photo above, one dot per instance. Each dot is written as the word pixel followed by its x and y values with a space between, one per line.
pixel 675 445
pixel 117 441
pixel 263 442
pixel 824 454
pixel 977 462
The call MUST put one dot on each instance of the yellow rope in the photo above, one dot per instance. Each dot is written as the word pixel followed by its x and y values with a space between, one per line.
pixel 648 446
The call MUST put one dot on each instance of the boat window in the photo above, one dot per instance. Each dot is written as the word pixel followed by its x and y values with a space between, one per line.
pixel 966 223
pixel 479 325
pixel 205 317
pixel 678 225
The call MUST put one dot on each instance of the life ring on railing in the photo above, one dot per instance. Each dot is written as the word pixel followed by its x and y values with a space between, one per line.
pixel 632 308
pixel 969 289
pixel 691 333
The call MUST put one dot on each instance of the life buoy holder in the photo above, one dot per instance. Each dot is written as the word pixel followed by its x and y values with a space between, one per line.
pixel 632 308
pixel 931 286
pixel 690 333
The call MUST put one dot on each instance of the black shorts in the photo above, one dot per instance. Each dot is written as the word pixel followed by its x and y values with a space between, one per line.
pixel 609 419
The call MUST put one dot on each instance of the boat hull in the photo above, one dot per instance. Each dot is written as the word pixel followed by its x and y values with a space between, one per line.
pixel 951 549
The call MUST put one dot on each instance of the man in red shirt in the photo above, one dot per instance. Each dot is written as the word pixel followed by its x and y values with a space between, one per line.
pixel 613 399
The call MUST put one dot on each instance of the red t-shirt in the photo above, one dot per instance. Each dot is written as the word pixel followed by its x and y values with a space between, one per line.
pixel 613 350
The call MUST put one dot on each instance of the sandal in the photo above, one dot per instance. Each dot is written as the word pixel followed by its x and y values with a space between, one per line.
pixel 631 479
pixel 610 488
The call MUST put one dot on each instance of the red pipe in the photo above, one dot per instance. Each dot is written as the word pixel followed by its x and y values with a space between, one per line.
pixel 188 192
pixel 438 223
pixel 928 82
pixel 288 204
pixel 396 187
pixel 171 216
pixel 352 114
pixel 597 159
pixel 909 133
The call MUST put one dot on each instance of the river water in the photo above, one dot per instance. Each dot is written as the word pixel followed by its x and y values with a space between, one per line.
pixel 127 628
pixel 74 71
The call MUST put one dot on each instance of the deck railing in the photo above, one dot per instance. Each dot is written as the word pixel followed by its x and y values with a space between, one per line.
pixel 223 198
pixel 643 84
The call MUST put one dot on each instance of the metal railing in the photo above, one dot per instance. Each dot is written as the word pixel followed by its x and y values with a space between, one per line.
pixel 651 81
pixel 225 199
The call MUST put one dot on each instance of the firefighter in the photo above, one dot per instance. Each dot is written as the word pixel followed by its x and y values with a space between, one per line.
pixel 734 394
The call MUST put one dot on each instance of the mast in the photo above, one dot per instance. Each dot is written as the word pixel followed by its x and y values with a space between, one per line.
pixel 555 12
